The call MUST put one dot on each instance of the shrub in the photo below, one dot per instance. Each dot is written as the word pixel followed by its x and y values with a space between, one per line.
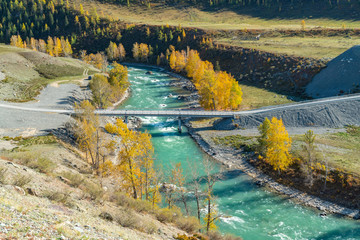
pixel 75 179
pixel 43 164
pixel 21 180
pixel 151 228
pixel 213 235
pixel 142 206
pixel 168 215
pixel 138 205
pixel 2 175
pixel 193 237
pixel 164 215
pixel 49 139
pixel 61 197
pixel 123 200
pixel 106 216
pixel 127 219
pixel 94 190
pixel 188 224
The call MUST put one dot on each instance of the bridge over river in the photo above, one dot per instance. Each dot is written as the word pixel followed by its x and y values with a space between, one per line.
pixel 178 113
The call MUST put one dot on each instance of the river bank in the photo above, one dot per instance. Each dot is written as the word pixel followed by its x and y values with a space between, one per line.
pixel 251 212
pixel 235 159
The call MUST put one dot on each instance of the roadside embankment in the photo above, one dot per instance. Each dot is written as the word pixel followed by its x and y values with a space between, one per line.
pixel 331 114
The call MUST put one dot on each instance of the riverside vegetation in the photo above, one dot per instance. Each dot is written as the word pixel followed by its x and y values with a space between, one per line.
pixel 309 162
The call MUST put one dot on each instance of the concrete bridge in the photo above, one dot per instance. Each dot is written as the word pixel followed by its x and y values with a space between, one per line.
pixel 167 113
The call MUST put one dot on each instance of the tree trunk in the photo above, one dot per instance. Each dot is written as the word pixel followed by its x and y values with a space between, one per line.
pixel 198 204
pixel 209 216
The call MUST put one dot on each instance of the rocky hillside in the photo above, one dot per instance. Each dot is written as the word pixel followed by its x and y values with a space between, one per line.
pixel 47 191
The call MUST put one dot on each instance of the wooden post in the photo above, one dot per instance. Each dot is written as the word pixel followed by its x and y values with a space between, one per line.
pixel 126 119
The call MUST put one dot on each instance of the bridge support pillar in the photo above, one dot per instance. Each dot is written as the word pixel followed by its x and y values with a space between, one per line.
pixel 179 125
pixel 126 119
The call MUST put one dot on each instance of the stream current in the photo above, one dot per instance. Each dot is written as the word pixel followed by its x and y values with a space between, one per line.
pixel 251 212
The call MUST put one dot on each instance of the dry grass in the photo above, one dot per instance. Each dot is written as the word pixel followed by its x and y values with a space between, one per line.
pixel 316 47
pixel 160 14
pixel 341 149
pixel 84 200
pixel 75 179
pixel 32 159
pixel 3 171
pixel 21 180
pixel 59 196
pixel 93 190
pixel 254 97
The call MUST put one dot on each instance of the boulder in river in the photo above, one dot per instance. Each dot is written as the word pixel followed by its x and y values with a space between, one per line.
pixel 149 73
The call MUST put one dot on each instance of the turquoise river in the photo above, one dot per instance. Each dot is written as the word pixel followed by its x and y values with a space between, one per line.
pixel 252 212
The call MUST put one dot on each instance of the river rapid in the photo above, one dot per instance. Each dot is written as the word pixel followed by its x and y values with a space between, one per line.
pixel 249 211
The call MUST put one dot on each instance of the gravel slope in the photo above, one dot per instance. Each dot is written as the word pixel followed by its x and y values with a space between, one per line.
pixel 342 74
pixel 326 114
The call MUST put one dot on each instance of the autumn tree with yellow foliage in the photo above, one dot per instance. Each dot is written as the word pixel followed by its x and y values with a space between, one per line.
pixel 58 47
pixel 90 136
pixel 178 179
pixel 116 52
pixel 218 90
pixel 108 90
pixel 142 52
pixel 211 215
pixel 98 60
pixel 276 144
pixel 135 159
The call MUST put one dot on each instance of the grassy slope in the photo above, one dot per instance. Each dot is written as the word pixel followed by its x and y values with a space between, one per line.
pixel 254 97
pixel 342 150
pixel 316 47
pixel 28 71
pixel 234 20
pixel 216 19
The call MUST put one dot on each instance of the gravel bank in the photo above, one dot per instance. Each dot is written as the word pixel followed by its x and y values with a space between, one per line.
pixel 340 76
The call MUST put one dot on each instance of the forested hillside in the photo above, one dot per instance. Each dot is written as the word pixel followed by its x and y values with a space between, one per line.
pixel 43 18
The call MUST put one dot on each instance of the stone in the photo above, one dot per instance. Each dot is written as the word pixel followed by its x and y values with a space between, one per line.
pixel 65 180
pixel 323 214
pixel 106 216
pixel 32 192
pixel 20 190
